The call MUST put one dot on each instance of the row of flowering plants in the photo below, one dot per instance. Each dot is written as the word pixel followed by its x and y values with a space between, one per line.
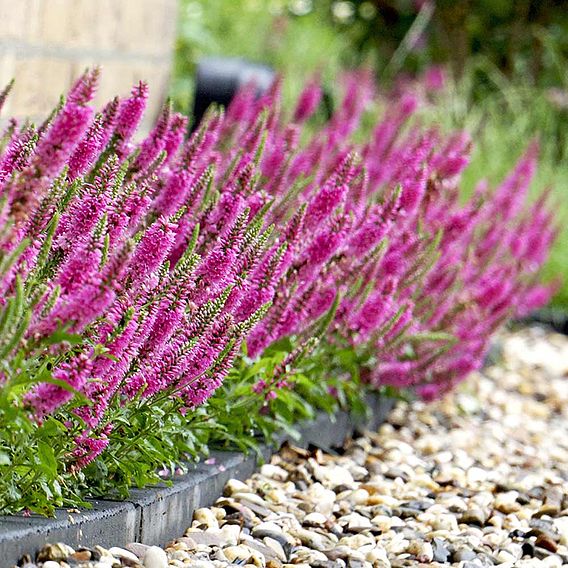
pixel 163 296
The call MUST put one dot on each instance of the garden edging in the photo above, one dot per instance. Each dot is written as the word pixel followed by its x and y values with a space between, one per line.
pixel 158 514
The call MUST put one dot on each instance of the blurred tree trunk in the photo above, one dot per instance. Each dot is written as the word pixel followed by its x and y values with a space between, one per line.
pixel 450 18
pixel 518 35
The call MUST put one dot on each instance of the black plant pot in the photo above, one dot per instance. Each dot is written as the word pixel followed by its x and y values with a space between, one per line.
pixel 219 78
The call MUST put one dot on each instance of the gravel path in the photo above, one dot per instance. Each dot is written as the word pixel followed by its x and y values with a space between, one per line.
pixel 479 479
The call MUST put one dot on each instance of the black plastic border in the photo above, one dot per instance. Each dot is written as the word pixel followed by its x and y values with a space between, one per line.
pixel 159 514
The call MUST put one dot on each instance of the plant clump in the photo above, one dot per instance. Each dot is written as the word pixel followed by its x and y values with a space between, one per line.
pixel 156 293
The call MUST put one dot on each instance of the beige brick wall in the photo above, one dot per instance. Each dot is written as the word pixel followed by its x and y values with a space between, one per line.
pixel 46 44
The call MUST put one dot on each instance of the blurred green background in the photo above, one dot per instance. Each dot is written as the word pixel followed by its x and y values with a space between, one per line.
pixel 507 63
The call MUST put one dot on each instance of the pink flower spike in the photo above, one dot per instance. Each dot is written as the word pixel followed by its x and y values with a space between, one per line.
pixel 152 250
pixel 88 149
pixel 55 148
pixel 84 89
pixel 130 114
pixel 309 101
pixel 47 397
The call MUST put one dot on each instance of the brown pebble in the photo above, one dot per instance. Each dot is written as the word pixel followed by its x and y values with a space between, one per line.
pixel 546 542
pixel 547 509
pixel 81 555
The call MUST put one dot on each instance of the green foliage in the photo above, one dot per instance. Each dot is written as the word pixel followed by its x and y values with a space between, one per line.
pixel 326 380
pixel 152 441
pixel 33 471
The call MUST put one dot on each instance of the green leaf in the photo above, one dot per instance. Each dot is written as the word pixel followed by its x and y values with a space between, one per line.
pixel 46 457
pixel 61 336
pixel 432 336
pixel 8 261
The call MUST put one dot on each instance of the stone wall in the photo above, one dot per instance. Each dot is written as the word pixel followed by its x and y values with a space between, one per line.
pixel 46 44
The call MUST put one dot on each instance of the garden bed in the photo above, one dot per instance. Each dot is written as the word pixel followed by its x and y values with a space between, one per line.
pixel 458 483
pixel 156 515
pixel 170 297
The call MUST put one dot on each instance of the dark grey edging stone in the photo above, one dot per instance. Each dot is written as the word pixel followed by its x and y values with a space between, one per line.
pixel 166 512
pixel 159 514
pixel 106 524
pixel 552 317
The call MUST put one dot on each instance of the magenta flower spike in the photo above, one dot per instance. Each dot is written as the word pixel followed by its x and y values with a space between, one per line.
pixel 175 191
pixel 17 155
pixel 86 210
pixel 155 141
pixel 129 116
pixel 308 101
pixel 88 449
pixel 175 135
pixel 331 197
pixel 81 266
pixel 60 140
pixel 47 397
pixel 151 252
pixel 88 149
pixel 110 116
pixel 168 319
pixel 85 88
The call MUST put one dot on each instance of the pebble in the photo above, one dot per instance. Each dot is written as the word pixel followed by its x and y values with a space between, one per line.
pixel 206 517
pixel 477 479
pixel 235 486
pixel 544 541
pixel 463 555
pixel 121 553
pixel 474 517
pixel 137 548
pixel 155 557
pixel 57 551
pixel 315 519
pixel 423 551
pixel 276 548
pixel 440 551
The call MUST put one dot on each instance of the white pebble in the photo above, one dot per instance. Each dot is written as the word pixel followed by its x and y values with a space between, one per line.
pixel 206 516
pixel 155 557
pixel 561 524
pixel 377 557
pixel 235 486
pixel 274 472
pixel 315 519
pixel 121 553
pixel 359 497
pixel 230 534
pixel 552 561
